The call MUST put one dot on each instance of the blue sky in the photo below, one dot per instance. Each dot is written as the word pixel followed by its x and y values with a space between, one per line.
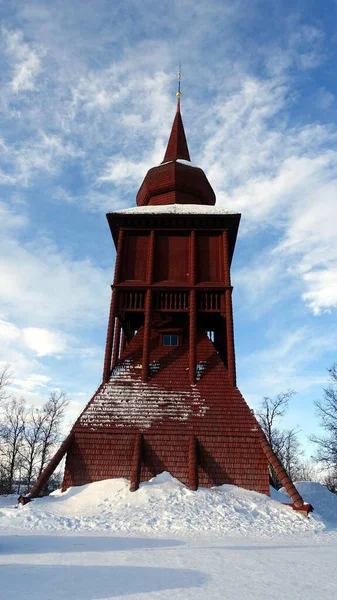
pixel 87 101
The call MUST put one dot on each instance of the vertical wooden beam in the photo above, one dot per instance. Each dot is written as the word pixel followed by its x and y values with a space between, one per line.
pixel 150 255
pixel 109 337
pixel 228 311
pixel 148 310
pixel 136 463
pixel 113 307
pixel 193 464
pixel 193 258
pixel 117 337
pixel 192 308
pixel 119 253
pixel 193 336
pixel 226 269
pixel 147 335
pixel 230 337
pixel 124 341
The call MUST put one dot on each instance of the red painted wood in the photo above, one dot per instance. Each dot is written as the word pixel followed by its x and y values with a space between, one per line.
pixel 109 337
pixel 175 182
pixel 193 266
pixel 52 465
pixel 171 262
pixel 230 337
pixel 292 492
pixel 117 337
pixel 171 408
pixel 150 258
pixel 177 144
pixel 147 334
pixel 208 264
pixel 193 464
pixel 123 342
pixel 226 265
pixel 135 257
pixel 112 312
pixel 192 335
pixel 136 464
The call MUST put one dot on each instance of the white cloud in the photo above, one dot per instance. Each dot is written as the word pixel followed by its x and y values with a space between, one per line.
pixel 44 342
pixel 288 360
pixel 283 181
pixel 26 61
pixel 40 341
pixel 43 154
pixel 43 287
pixel 322 286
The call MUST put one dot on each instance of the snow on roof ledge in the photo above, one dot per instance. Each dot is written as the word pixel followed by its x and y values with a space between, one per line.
pixel 182 161
pixel 177 209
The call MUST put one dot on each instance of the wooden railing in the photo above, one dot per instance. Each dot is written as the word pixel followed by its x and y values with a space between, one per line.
pixel 170 301
pixel 209 301
pixel 132 300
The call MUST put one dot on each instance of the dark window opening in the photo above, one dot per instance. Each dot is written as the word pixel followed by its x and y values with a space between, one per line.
pixel 170 339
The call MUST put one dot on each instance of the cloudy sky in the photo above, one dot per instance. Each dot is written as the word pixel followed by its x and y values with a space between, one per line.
pixel 87 99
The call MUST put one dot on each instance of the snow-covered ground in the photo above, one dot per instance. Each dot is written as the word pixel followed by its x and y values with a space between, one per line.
pixel 100 542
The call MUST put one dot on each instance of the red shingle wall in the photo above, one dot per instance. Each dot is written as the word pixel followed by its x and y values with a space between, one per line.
pixel 176 247
pixel 95 456
pixel 167 411
pixel 134 257
pixel 175 180
pixel 208 253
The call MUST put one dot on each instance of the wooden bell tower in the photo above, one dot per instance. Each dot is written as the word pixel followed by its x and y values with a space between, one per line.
pixel 173 263
pixel 168 400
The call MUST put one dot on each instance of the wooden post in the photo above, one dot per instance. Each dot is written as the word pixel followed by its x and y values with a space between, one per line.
pixel 109 337
pixel 147 334
pixel 295 497
pixel 193 336
pixel 113 307
pixel 124 341
pixel 230 337
pixel 50 468
pixel 136 463
pixel 228 312
pixel 193 464
pixel 193 265
pixel 226 272
pixel 149 271
pixel 117 338
pixel 148 310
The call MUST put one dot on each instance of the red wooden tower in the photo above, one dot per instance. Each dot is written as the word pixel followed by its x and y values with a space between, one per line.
pixel 168 400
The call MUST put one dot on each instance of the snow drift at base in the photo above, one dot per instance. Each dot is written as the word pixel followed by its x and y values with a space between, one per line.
pixel 164 505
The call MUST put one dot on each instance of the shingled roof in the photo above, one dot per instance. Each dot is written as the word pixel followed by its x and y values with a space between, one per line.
pixel 177 145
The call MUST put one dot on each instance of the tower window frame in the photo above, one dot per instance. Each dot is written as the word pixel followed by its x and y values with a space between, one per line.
pixel 170 339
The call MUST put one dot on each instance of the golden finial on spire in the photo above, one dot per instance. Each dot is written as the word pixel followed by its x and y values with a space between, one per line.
pixel 178 94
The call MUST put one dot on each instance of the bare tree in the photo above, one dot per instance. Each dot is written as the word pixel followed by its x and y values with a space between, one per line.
pixel 326 410
pixel 330 481
pixel 5 381
pixel 27 437
pixel 53 411
pixel 30 451
pixel 284 442
pixel 307 470
pixel 12 433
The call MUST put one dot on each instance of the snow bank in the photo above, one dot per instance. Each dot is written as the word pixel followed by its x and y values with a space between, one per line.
pixel 323 501
pixel 162 505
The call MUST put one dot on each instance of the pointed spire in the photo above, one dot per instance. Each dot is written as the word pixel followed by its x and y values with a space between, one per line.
pixel 177 144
